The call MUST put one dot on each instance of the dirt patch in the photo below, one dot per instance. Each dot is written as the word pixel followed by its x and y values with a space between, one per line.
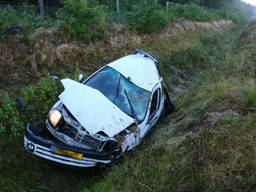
pixel 209 120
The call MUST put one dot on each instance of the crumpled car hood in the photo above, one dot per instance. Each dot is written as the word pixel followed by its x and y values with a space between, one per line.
pixel 93 110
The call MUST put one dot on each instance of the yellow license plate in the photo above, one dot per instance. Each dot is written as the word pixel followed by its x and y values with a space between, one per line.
pixel 67 153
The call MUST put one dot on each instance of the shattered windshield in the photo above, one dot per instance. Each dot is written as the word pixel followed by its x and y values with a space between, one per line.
pixel 128 97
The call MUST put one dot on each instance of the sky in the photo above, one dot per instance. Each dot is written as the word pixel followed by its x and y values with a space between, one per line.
pixel 253 2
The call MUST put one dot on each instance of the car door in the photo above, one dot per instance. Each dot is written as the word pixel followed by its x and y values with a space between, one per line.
pixel 153 113
pixel 154 107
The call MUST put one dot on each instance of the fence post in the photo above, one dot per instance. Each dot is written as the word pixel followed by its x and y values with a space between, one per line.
pixel 41 7
pixel 118 10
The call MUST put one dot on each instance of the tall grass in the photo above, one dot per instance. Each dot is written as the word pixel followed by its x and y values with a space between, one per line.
pixel 250 93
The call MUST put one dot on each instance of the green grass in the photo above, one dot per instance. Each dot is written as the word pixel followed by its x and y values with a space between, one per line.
pixel 205 64
pixel 250 93
pixel 216 158
pixel 147 167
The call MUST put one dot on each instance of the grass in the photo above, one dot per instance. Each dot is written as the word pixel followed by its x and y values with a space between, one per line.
pixel 141 170
pixel 250 93
pixel 218 158
pixel 204 161
pixel 218 77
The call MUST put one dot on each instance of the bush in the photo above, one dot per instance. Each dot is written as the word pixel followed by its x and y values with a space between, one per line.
pixel 146 18
pixel 191 12
pixel 81 20
pixel 10 119
pixel 39 98
pixel 23 19
pixel 237 17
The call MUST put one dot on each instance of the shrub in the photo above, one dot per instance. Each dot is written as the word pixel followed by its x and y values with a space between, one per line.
pixel 39 98
pixel 81 20
pixel 146 18
pixel 191 12
pixel 237 17
pixel 10 118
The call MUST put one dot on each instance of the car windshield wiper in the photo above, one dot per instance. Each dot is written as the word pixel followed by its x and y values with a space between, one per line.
pixel 118 87
pixel 129 101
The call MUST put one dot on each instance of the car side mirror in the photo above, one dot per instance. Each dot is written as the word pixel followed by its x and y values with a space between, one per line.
pixel 55 78
pixel 80 78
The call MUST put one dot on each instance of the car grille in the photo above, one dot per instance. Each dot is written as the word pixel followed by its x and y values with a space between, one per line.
pixel 79 137
pixel 68 130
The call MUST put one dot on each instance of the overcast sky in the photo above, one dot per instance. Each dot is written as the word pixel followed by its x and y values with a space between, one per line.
pixel 253 2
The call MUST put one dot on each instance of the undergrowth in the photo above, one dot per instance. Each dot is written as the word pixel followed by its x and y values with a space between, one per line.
pixel 22 20
pixel 88 20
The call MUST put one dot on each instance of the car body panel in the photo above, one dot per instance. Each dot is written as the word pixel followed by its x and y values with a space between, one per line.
pixel 141 70
pixel 98 116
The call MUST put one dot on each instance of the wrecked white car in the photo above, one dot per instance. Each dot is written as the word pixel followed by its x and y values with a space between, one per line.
pixel 98 119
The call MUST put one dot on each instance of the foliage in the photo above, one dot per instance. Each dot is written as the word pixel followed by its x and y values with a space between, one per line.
pixel 81 20
pixel 23 19
pixel 191 12
pixel 148 18
pixel 11 123
pixel 39 98
pixel 237 17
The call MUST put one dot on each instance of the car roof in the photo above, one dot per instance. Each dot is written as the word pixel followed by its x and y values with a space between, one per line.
pixel 139 69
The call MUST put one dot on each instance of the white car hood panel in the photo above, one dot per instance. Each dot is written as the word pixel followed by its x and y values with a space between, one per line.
pixel 93 110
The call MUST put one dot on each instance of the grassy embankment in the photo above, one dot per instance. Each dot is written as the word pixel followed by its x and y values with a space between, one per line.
pixel 209 143
pixel 190 58
pixel 182 57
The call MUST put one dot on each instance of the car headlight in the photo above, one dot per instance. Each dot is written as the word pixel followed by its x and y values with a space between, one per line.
pixel 54 117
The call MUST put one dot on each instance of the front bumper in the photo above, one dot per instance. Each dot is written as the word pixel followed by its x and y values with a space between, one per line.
pixel 40 145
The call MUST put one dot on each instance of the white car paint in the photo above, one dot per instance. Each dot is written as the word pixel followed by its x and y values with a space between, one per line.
pixel 140 70
pixel 93 110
